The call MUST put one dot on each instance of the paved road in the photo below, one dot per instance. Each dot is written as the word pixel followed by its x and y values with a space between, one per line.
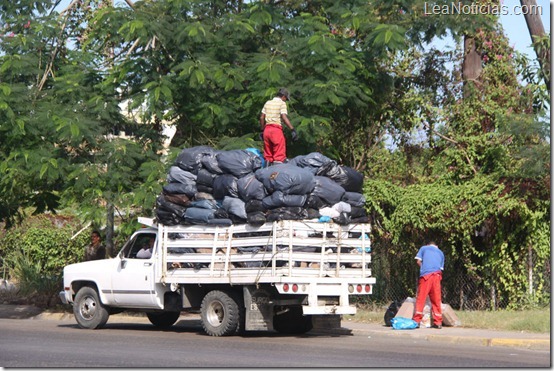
pixel 133 342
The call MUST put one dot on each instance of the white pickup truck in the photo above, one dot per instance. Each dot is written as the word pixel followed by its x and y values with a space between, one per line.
pixel 276 276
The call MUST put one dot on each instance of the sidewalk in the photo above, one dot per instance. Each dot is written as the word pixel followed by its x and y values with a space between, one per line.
pixel 456 335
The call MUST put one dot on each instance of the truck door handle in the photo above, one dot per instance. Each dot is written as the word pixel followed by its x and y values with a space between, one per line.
pixel 147 264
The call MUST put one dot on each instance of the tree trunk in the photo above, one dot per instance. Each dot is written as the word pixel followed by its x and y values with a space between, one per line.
pixel 534 24
pixel 471 65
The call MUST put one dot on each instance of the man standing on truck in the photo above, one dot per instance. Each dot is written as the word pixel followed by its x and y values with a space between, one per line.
pixel 274 114
pixel 431 262
pixel 95 251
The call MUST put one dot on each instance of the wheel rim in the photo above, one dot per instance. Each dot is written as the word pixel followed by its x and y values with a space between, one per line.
pixel 215 313
pixel 88 308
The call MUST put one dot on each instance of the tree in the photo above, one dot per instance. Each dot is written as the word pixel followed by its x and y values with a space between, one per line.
pixel 58 115
pixel 541 41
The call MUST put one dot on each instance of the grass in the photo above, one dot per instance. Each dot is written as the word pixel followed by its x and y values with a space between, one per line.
pixel 527 320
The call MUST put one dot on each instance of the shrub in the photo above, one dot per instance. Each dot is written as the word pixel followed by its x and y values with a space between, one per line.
pixel 36 252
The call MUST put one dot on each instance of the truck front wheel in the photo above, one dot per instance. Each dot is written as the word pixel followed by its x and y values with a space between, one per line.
pixel 89 312
pixel 221 313
pixel 163 319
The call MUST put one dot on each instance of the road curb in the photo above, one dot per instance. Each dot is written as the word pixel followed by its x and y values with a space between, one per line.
pixel 535 344
pixel 518 343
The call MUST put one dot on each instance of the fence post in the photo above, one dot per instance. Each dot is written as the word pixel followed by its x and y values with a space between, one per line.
pixel 530 269
pixel 493 296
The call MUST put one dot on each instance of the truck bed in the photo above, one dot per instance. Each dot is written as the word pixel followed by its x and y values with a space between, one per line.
pixel 271 253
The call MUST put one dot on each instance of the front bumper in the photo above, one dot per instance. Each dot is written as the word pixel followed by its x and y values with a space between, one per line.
pixel 63 298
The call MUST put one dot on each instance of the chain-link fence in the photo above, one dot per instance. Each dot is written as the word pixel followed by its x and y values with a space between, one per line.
pixel 397 277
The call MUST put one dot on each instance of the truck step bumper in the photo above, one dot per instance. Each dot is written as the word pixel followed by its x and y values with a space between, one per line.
pixel 311 310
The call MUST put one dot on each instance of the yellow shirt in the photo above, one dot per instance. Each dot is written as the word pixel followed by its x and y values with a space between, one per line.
pixel 273 109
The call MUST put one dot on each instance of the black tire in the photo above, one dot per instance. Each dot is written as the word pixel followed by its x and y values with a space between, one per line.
pixel 89 311
pixel 222 313
pixel 292 321
pixel 163 319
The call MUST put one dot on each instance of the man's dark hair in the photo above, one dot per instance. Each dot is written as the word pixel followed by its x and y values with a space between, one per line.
pixel 96 233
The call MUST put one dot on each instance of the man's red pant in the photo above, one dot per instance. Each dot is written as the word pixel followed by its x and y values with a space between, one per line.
pixel 275 146
pixel 430 284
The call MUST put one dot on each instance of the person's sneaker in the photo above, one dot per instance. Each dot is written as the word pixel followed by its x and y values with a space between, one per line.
pixel 438 327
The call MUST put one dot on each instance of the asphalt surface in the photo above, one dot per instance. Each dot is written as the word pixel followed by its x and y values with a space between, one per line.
pixel 461 335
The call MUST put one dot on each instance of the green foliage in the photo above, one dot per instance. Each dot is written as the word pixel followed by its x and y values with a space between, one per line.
pixel 35 253
pixel 32 281
pixel 45 240
pixel 477 183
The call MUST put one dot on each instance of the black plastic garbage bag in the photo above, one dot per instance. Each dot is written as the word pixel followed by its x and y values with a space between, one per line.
pixel 313 162
pixel 209 162
pixel 238 162
pixel 198 215
pixel 163 204
pixel 391 311
pixel 188 189
pixel 177 198
pixel 348 178
pixel 205 204
pixel 286 213
pixel 251 188
pixel 176 174
pixel 190 159
pixel 254 205
pixel 286 178
pixel 279 199
pixel 255 218
pixel 225 185
pixel 234 206
pixel 167 217
pixel 354 198
pixel 205 177
pixel 315 202
pixel 357 212
pixel 327 190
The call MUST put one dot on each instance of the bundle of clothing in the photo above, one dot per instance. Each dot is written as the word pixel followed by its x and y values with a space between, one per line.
pixel 209 186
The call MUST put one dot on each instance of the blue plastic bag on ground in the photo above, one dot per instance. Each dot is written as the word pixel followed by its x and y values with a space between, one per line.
pixel 402 323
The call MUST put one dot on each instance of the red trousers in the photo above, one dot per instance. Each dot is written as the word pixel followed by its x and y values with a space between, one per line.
pixel 275 146
pixel 430 284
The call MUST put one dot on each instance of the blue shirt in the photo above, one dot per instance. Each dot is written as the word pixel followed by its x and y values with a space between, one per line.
pixel 432 260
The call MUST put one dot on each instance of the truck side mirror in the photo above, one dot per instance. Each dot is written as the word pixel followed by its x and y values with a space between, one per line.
pixel 123 263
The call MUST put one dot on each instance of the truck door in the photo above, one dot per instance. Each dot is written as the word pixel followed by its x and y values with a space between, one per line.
pixel 133 280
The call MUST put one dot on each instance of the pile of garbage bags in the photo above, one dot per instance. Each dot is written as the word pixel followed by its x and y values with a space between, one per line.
pixel 209 186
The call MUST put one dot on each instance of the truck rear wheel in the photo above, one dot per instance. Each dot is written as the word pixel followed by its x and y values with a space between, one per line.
pixel 89 311
pixel 292 322
pixel 222 313
pixel 163 319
